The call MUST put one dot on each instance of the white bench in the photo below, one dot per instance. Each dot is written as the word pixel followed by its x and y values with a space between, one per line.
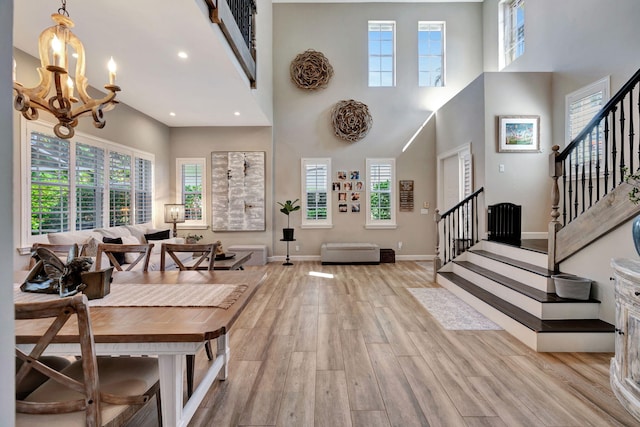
pixel 350 253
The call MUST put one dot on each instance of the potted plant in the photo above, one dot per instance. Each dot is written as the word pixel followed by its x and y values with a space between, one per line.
pixel 192 238
pixel 288 207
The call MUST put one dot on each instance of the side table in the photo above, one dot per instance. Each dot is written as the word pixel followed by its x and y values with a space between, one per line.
pixel 287 260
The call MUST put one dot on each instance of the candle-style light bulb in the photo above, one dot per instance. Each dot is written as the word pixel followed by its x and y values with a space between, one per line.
pixel 56 46
pixel 69 87
pixel 14 69
pixel 112 71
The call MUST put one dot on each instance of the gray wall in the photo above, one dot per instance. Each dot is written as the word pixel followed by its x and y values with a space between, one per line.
pixel 200 142
pixel 7 352
pixel 302 118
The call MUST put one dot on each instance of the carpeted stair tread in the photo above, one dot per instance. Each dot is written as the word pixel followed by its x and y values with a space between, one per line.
pixel 530 321
pixel 513 262
pixel 535 294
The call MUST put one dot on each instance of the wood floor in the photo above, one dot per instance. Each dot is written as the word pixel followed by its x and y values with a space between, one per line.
pixel 358 350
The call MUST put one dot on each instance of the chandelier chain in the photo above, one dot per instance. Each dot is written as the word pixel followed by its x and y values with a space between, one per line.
pixel 63 9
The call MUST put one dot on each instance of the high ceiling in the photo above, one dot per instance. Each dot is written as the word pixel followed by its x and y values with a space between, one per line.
pixel 144 39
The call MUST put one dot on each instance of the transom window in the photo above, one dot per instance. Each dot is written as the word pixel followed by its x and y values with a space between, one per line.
pixel 191 189
pixel 65 186
pixel 316 205
pixel 511 31
pixel 382 46
pixel 431 49
pixel 381 206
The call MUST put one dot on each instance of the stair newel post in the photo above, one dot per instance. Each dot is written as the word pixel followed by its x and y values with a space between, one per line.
pixel 437 262
pixel 555 171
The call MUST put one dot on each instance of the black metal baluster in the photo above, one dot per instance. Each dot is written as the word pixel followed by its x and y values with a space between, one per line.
pixel 614 146
pixel 583 178
pixel 622 121
pixel 598 156
pixel 606 154
pixel 590 172
pixel 631 133
pixel 564 190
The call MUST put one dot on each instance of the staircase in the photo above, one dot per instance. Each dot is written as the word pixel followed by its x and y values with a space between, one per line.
pixel 512 286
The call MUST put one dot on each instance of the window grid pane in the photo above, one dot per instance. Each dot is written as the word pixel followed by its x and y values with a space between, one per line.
pixel 144 186
pixel 430 54
pixel 119 189
pixel 381 54
pixel 89 186
pixel 514 30
pixel 380 191
pixel 50 186
pixel 192 189
pixel 316 190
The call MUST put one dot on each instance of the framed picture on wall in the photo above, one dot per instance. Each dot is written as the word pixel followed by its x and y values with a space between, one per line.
pixel 518 134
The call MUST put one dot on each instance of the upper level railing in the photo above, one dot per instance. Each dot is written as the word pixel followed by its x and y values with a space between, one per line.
pixel 237 22
pixel 458 227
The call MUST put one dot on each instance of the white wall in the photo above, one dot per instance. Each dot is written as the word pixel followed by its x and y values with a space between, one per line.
pixel 302 118
pixel 7 352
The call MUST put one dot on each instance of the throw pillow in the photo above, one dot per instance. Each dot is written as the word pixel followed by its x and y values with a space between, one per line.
pixel 158 235
pixel 117 240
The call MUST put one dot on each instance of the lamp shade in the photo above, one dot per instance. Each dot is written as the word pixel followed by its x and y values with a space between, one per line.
pixel 173 213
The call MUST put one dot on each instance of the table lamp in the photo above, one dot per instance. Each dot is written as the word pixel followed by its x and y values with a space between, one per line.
pixel 174 213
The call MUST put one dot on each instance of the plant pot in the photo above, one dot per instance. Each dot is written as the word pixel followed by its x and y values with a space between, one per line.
pixel 570 286
pixel 635 232
pixel 287 234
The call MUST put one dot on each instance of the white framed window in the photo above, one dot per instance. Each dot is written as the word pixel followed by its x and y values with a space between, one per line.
pixel 511 31
pixel 382 57
pixel 65 187
pixel 580 107
pixel 316 203
pixel 431 51
pixel 191 190
pixel 381 193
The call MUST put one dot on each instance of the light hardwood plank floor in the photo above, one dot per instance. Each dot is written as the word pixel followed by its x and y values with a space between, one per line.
pixel 357 349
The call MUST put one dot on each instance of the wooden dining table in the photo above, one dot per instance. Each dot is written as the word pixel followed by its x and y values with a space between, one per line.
pixel 168 332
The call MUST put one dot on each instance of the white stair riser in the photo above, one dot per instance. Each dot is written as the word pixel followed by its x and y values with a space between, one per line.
pixel 545 311
pixel 543 342
pixel 534 280
pixel 531 257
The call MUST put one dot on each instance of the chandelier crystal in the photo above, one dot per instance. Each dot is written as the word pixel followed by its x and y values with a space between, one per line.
pixel 58 47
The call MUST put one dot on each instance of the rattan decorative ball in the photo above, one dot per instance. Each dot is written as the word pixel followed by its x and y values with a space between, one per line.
pixel 351 120
pixel 311 70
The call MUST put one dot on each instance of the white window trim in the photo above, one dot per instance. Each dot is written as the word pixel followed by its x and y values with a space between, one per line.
pixel 503 9
pixel 444 51
pixel 28 126
pixel 190 224
pixel 603 85
pixel 395 52
pixel 317 223
pixel 385 223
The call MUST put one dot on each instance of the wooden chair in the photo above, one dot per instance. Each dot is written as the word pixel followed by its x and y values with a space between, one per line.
pixel 110 249
pixel 203 254
pixel 92 391
pixel 63 251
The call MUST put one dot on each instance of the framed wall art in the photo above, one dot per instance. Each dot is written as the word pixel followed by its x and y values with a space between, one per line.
pixel 238 190
pixel 518 134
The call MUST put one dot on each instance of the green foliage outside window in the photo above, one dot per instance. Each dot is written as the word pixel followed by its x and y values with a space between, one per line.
pixel 381 200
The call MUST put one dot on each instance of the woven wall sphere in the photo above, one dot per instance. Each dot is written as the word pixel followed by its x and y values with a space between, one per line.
pixel 311 70
pixel 351 120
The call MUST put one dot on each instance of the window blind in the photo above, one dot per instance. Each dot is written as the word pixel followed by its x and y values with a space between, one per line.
pixel 192 189
pixel 89 186
pixel 50 186
pixel 316 182
pixel 144 193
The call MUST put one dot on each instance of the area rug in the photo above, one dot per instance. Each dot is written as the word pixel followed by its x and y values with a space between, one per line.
pixel 451 311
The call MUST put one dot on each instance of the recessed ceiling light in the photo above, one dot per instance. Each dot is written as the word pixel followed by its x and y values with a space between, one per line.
pixel 183 55
pixel 172 114
pixel 237 113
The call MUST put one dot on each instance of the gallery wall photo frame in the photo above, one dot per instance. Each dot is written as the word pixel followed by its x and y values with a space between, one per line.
pixel 518 134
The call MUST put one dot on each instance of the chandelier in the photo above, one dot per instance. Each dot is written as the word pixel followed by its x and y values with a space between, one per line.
pixel 58 46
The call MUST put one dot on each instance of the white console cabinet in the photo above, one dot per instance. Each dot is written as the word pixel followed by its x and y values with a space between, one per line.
pixel 625 366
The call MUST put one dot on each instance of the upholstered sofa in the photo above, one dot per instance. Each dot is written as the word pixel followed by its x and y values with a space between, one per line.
pixel 130 234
